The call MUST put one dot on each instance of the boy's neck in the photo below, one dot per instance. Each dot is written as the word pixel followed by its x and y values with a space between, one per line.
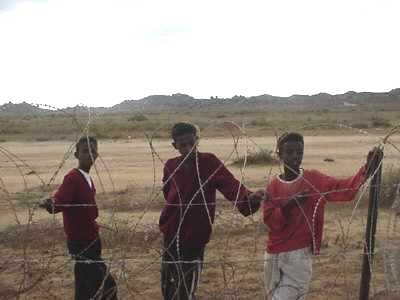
pixel 191 160
pixel 85 169
pixel 290 174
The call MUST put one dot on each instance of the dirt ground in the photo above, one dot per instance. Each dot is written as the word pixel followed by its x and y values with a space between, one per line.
pixel 32 243
pixel 131 163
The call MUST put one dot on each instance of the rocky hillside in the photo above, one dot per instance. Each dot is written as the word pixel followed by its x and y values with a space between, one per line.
pixel 186 103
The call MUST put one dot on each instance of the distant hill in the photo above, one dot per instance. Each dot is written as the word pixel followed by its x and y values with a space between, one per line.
pixel 21 108
pixel 78 109
pixel 185 103
pixel 156 103
pixel 29 109
pixel 181 102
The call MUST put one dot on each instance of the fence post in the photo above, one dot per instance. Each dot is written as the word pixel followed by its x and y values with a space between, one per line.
pixel 370 231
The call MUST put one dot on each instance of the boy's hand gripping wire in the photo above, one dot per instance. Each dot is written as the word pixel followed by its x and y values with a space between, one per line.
pixel 374 158
pixel 297 200
pixel 48 205
pixel 258 196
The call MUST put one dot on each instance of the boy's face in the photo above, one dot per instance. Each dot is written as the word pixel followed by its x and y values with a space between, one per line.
pixel 291 153
pixel 83 155
pixel 186 144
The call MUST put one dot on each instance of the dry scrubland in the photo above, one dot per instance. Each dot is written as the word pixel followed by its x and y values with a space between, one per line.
pixel 33 255
pixel 308 119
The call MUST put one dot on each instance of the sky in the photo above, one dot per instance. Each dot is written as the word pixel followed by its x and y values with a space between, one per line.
pixel 99 53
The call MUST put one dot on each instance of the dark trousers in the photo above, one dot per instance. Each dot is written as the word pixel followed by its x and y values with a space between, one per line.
pixel 180 272
pixel 92 280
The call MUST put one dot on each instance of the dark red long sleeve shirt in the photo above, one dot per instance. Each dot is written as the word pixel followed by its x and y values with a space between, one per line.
pixel 303 227
pixel 76 200
pixel 189 212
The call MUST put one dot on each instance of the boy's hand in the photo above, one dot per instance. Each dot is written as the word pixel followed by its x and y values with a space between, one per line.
pixel 373 159
pixel 258 196
pixel 48 205
pixel 297 200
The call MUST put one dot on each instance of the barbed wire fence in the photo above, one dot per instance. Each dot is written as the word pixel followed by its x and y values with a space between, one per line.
pixel 34 261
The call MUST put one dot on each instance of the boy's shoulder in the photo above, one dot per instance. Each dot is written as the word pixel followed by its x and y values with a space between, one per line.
pixel 312 173
pixel 172 161
pixel 202 156
pixel 208 155
pixel 71 180
pixel 308 174
pixel 72 174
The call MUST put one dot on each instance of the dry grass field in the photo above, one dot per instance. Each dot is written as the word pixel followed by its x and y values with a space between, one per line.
pixel 32 247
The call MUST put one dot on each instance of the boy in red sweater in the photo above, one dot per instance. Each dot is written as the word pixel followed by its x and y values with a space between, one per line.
pixel 294 214
pixel 190 183
pixel 75 198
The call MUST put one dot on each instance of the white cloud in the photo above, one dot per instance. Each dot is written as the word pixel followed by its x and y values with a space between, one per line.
pixel 100 53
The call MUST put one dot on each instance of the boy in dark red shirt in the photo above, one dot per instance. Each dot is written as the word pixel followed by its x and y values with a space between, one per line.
pixel 75 198
pixel 190 183
pixel 294 214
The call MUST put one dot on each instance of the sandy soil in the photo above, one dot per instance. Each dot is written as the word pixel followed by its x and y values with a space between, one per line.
pixel 131 163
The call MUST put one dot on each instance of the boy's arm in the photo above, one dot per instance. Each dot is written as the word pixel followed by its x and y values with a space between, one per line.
pixel 166 181
pixel 346 189
pixel 275 211
pixel 65 195
pixel 246 202
pixel 48 204
pixel 339 190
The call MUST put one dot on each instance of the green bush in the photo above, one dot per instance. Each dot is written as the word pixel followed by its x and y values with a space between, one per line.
pixel 390 180
pixel 388 188
pixel 258 157
pixel 138 118
pixel 260 122
pixel 379 122
pixel 360 125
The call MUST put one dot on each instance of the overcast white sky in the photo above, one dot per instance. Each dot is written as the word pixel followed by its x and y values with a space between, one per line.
pixel 100 53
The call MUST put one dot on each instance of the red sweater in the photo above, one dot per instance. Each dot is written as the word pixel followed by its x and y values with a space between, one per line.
pixel 295 229
pixel 79 221
pixel 192 222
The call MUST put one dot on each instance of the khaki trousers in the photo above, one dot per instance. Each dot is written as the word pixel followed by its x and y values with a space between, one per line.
pixel 288 274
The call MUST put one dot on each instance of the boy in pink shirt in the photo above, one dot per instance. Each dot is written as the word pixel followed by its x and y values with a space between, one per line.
pixel 294 214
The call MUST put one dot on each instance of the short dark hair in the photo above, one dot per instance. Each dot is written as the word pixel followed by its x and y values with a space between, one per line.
pixel 289 137
pixel 85 140
pixel 182 128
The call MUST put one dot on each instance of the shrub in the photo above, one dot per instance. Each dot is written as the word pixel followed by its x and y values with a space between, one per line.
pixel 259 157
pixel 138 118
pixel 43 139
pixel 360 125
pixel 261 122
pixel 390 180
pixel 40 235
pixel 379 122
